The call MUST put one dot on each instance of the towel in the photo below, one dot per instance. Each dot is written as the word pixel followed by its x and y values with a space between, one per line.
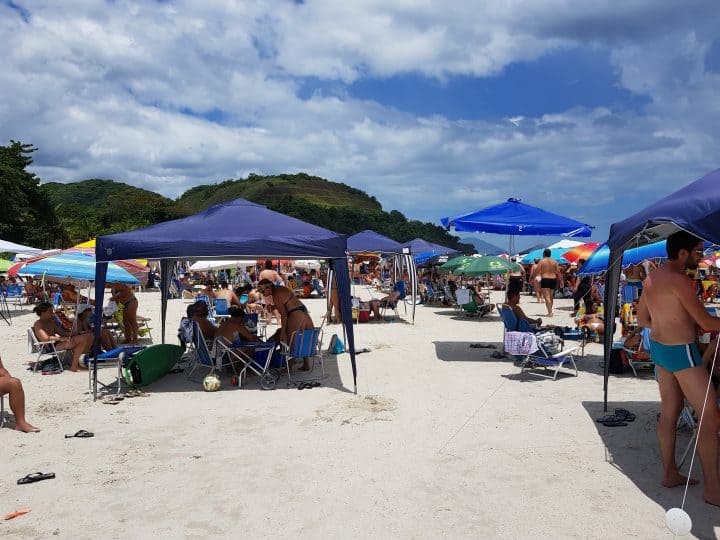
pixel 520 343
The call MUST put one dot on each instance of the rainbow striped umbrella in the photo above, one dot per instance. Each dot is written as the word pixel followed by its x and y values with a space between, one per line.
pixel 583 251
pixel 70 267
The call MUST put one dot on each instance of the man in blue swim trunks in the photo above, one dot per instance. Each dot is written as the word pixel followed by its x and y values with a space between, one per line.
pixel 671 309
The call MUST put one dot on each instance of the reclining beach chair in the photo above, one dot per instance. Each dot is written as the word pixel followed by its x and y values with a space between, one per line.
pixel 639 358
pixel 303 344
pixel 114 358
pixel 44 350
pixel 462 297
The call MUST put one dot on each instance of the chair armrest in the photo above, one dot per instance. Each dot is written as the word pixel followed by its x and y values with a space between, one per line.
pixel 565 352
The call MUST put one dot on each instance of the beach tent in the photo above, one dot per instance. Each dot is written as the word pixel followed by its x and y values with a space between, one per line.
pixel 234 229
pixel 12 247
pixel 368 241
pixel 218 264
pixel 424 251
pixel 517 218
pixel 694 208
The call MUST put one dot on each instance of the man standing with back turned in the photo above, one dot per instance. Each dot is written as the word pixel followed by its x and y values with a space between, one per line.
pixel 670 308
pixel 549 272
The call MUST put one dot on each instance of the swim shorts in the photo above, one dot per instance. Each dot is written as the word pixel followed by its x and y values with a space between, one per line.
pixel 548 283
pixel 675 357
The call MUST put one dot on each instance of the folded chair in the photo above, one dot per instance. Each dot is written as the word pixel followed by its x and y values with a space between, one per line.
pixel 303 344
pixel 258 361
pixel 43 350
pixel 114 359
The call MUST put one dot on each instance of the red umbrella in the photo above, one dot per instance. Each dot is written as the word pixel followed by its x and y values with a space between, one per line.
pixel 583 251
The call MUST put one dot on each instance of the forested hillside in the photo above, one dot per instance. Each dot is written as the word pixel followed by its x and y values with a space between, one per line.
pixel 62 214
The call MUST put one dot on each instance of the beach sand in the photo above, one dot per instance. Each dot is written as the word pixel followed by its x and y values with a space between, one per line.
pixel 441 441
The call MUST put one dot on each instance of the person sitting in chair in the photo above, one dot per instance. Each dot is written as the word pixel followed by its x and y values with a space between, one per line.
pixel 228 295
pixel 591 322
pixel 12 386
pixel 201 312
pixel 389 301
pixel 477 303
pixel 46 328
pixel 84 326
pixel 233 328
pixel 513 302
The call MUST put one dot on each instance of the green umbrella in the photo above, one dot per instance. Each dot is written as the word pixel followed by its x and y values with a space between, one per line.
pixel 5 264
pixel 480 266
pixel 454 264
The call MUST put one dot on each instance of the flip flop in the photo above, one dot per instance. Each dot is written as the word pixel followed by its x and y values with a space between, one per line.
pixel 625 415
pixel 109 400
pixel 35 477
pixel 81 434
pixel 16 513
pixel 136 392
pixel 614 423
pixel 611 420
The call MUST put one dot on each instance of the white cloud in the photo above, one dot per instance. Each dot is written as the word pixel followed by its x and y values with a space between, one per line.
pixel 124 90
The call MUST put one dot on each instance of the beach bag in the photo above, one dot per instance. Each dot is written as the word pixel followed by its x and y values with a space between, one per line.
pixel 617 362
pixel 336 345
pixel 550 341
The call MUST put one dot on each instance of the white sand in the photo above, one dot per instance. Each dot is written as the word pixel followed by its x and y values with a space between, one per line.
pixel 441 441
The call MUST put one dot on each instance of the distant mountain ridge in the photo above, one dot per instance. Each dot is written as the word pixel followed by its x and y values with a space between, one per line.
pixel 481 246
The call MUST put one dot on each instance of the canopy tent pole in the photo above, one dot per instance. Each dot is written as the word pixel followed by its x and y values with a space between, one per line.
pixel 343 285
pixel 166 273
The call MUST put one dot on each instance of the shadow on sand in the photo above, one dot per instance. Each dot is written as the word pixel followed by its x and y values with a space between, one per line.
pixel 633 450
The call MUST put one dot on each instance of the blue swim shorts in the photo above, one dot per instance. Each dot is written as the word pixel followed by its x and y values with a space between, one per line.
pixel 675 357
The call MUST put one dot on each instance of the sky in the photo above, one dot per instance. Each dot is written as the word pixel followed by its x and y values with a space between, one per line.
pixel 593 110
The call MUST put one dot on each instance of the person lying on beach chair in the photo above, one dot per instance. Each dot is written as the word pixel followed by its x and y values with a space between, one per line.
pixel 12 386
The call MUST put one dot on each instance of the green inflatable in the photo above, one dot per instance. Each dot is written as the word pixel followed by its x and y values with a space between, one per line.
pixel 151 364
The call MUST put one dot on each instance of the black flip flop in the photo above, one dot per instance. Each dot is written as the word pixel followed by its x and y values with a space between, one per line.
pixel 614 423
pixel 81 434
pixel 611 420
pixel 625 415
pixel 35 477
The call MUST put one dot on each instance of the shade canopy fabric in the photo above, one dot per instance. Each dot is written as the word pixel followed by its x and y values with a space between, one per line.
pixel 5 265
pixel 455 264
pixel 556 254
pixel 582 251
pixel 217 264
pixel 368 241
pixel 12 247
pixel 598 261
pixel 565 243
pixel 71 267
pixel 481 266
pixel 517 218
pixel 234 229
pixel 694 208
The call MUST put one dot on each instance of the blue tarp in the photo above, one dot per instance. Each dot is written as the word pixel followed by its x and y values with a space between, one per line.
pixel 516 218
pixel 598 261
pixel 235 229
pixel 694 208
pixel 370 241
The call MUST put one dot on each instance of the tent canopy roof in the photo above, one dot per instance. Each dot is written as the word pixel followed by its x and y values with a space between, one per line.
pixel 234 228
pixel 516 218
pixel 419 246
pixel 694 208
pixel 12 247
pixel 370 241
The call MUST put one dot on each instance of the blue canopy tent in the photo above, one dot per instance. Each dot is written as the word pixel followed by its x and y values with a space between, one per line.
pixel 516 218
pixel 235 229
pixel 368 241
pixel 695 208
pixel 424 251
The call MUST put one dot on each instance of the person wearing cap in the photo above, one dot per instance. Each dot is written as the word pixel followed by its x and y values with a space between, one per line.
pixel 46 328
pixel 84 326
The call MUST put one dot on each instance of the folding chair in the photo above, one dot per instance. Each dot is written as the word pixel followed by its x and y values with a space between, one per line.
pixel 221 308
pixel 532 353
pixel 462 297
pixel 303 344
pixel 231 353
pixel 402 294
pixel 114 358
pixel 43 349
pixel 640 358
pixel 15 294
pixel 201 356
pixel 432 294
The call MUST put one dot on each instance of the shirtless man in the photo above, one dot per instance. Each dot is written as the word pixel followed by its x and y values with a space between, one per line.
pixel 516 277
pixel 549 272
pixel 270 274
pixel 12 386
pixel 294 315
pixel 46 328
pixel 671 310
pixel 227 294
pixel 200 316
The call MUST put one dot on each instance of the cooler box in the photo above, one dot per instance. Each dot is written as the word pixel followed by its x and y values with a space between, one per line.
pixel 363 316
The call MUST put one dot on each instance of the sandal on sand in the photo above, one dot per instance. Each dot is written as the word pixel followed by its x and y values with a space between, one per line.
pixel 611 420
pixel 625 415
pixel 110 400
pixel 35 477
pixel 81 434
pixel 308 385
pixel 136 392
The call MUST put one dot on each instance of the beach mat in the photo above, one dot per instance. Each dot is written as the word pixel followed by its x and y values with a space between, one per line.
pixel 151 364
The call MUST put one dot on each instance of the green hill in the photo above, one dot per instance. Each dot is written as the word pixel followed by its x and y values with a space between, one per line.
pixel 92 207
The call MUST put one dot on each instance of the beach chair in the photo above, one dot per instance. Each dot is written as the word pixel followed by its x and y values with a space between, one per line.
pixel 114 359
pixel 303 344
pixel 44 350
pixel 259 362
pixel 401 288
pixel 433 296
pixel 639 358
pixel 200 356
pixel 532 351
pixel 15 295
pixel 220 309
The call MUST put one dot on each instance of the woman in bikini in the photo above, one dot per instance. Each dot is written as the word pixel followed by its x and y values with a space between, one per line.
pixel 294 315
pixel 122 294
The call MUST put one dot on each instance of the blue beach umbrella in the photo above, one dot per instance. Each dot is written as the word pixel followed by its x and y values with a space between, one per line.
pixel 598 261
pixel 74 267
pixel 555 253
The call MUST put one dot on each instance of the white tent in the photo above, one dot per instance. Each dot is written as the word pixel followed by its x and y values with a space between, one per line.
pixel 566 244
pixel 218 264
pixel 307 264
pixel 11 247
